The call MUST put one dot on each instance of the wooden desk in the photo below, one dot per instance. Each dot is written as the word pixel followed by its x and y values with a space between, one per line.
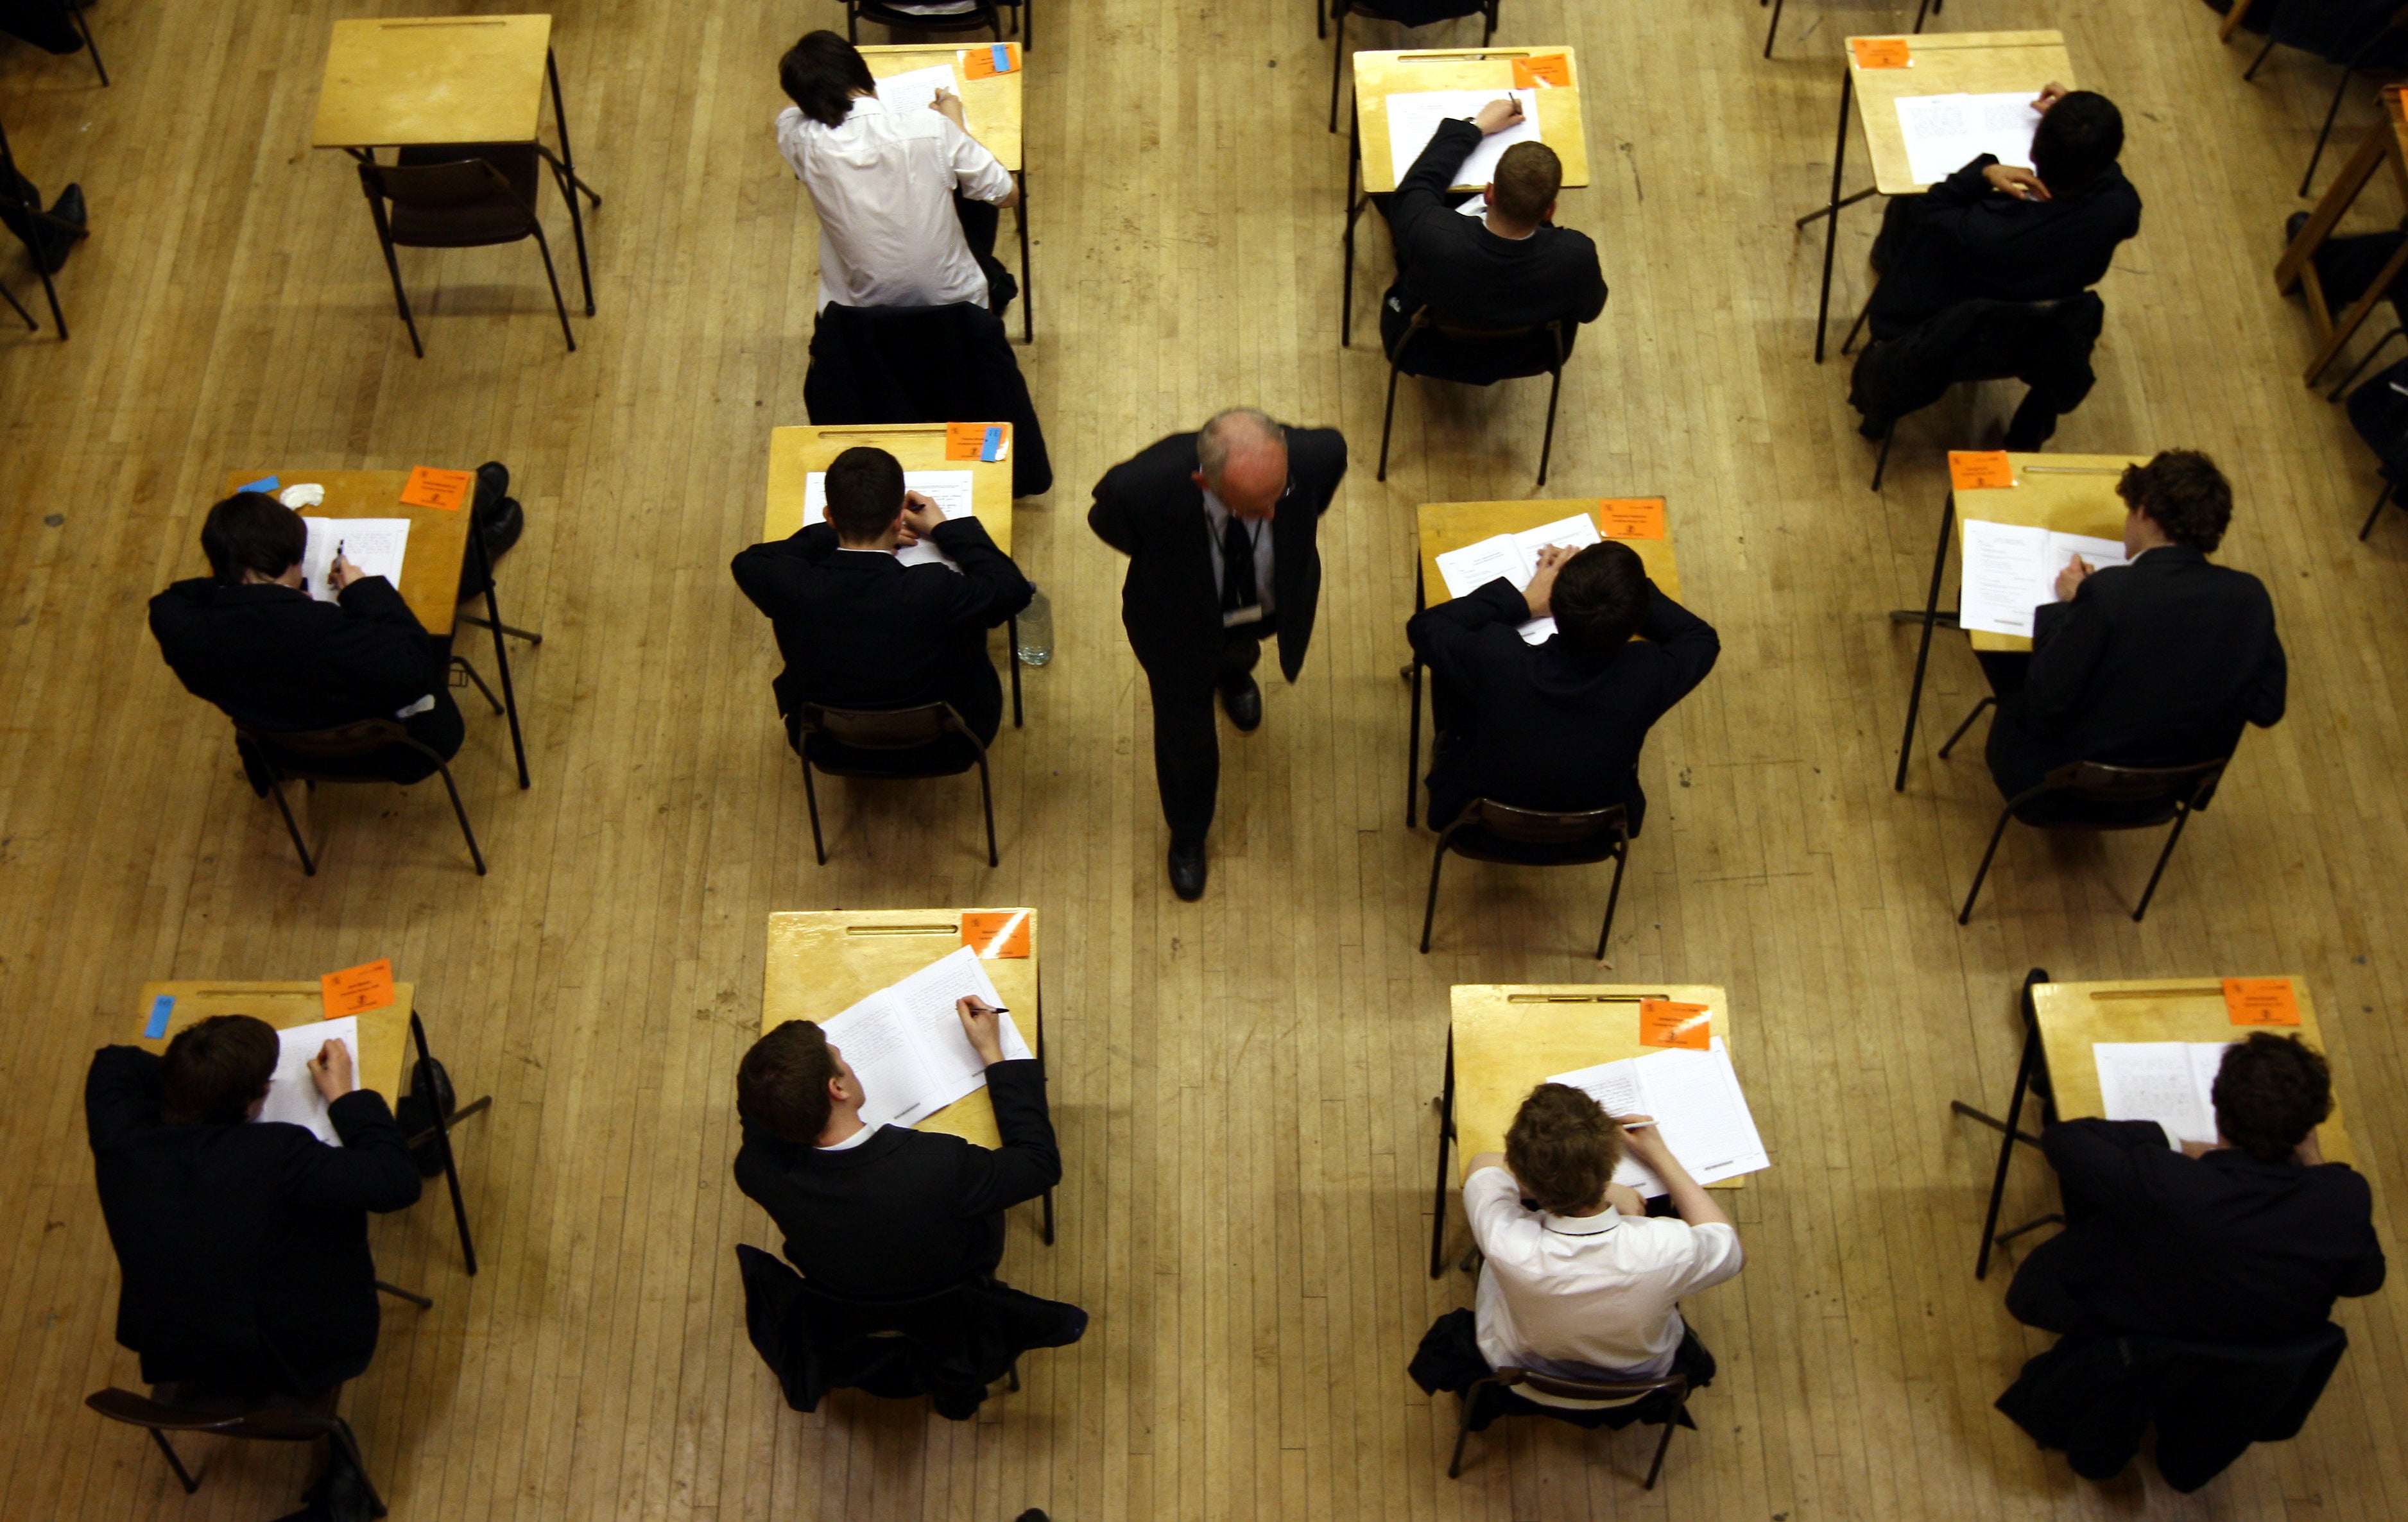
pixel 438 539
pixel 796 452
pixel 2067 493
pixel 2386 144
pixel 1444 526
pixel 1503 1040
pixel 383 1032
pixel 824 961
pixel 437 80
pixel 1944 63
pixel 991 111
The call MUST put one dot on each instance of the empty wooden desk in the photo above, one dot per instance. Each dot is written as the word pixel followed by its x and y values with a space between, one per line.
pixel 1504 1040
pixel 1943 64
pixel 2387 143
pixel 990 113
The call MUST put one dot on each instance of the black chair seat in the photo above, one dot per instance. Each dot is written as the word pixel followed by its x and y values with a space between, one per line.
pixel 1431 354
pixel 474 224
pixel 949 756
pixel 1481 844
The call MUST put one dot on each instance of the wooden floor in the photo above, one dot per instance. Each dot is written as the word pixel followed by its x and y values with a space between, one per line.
pixel 1242 1086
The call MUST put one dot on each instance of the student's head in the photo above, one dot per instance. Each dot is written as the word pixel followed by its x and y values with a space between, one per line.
pixel 1600 598
pixel 2183 493
pixel 216 1071
pixel 1241 458
pixel 1528 175
pixel 792 1080
pixel 2077 138
pixel 864 492
pixel 820 73
pixel 1562 1151
pixel 252 530
pixel 2270 1093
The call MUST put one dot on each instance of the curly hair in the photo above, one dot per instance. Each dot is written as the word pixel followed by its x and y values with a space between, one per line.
pixel 1562 1149
pixel 2183 493
pixel 2270 1093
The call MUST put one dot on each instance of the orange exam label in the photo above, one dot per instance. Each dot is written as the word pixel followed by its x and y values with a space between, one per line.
pixel 432 487
pixel 1980 469
pixel 962 441
pixel 1631 517
pixel 1664 1023
pixel 980 61
pixel 1000 933
pixel 355 991
pixel 1881 53
pixel 2261 1000
pixel 1547 69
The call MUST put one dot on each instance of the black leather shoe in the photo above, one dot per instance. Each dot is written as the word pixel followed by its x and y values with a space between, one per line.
pixel 503 523
pixel 492 480
pixel 58 242
pixel 1187 872
pixel 1243 699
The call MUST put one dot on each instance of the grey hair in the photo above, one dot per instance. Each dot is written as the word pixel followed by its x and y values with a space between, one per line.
pixel 1213 439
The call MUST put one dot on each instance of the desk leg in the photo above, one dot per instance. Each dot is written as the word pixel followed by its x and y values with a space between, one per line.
pixel 1353 210
pixel 1414 726
pixel 2360 310
pixel 1923 649
pixel 1831 228
pixel 1040 1073
pixel 1445 1136
pixel 1028 276
pixel 2027 1070
pixel 1011 639
pixel 451 1165
pixel 501 650
pixel 568 167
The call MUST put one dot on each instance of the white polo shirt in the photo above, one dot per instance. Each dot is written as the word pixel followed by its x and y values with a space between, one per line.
pixel 1593 1296
pixel 883 182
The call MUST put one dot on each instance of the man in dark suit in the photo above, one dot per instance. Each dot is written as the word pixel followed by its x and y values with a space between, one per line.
pixel 2007 233
pixel 2157 662
pixel 1507 267
pixel 858 628
pixel 1557 726
pixel 244 1248
pixel 1219 528
pixel 2248 1239
pixel 884 1212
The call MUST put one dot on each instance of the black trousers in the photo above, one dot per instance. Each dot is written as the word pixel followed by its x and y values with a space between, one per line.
pixel 1187 739
pixel 980 221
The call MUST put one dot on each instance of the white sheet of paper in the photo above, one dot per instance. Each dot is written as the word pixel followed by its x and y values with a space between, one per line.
pixel 1413 117
pixel 1514 556
pixel 375 545
pixel 876 1043
pixel 950 490
pixel 2169 1082
pixel 1945 132
pixel 2011 570
pixel 928 995
pixel 905 1042
pixel 292 1094
pixel 916 89
pixel 1696 1099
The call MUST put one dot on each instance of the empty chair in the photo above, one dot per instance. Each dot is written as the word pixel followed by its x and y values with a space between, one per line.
pixel 2044 344
pixel 236 1413
pixel 894 743
pixel 314 756
pixel 1441 348
pixel 469 197
pixel 1488 830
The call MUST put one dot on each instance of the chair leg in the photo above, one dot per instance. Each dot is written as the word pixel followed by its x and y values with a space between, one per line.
pixel 1049 1218
pixel 1387 420
pixel 1983 870
pixel 309 867
pixel 2368 527
pixel 1011 1377
pixel 2163 857
pixel 986 802
pixel 399 1293
pixel 392 267
pixel 1489 29
pixel 1772 31
pixel 1672 1418
pixel 2251 72
pixel 1920 11
pixel 344 1439
pixel 175 1461
pixel 92 45
pixel 544 246
pixel 462 815
pixel 443 1125
pixel 1463 1427
pixel 1547 444
pixel 10 297
pixel 1987 701
pixel 462 663
pixel 2341 86
pixel 1337 66
pixel 811 801
pixel 1430 910
pixel 1859 326
pixel 1881 464
pixel 1613 897
pixel 1011 634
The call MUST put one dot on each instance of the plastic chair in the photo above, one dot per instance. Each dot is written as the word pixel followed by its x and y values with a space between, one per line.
pixel 1444 340
pixel 441 200
pixel 1574 1389
pixel 1488 830
pixel 275 752
pixel 898 744
pixel 187 1408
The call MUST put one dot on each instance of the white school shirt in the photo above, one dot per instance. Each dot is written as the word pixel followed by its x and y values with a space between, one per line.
pixel 1216 515
pixel 883 182
pixel 1593 1296
pixel 852 1141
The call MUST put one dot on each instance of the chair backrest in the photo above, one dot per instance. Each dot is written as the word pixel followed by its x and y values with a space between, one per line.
pixel 458 186
pixel 225 1412
pixel 1536 827
pixel 1429 319
pixel 1593 1389
pixel 361 737
pixel 2106 783
pixel 885 728
pixel 2001 339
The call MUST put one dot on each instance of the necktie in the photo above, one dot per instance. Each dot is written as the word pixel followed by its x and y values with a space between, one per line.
pixel 1236 566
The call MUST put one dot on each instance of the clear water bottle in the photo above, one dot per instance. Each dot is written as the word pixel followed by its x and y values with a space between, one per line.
pixel 1036 644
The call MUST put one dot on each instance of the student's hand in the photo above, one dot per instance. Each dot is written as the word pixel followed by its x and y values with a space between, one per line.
pixel 2308 1154
pixel 1497 114
pixel 1541 589
pixel 2020 183
pixel 1641 1136
pixel 1482 1160
pixel 949 105
pixel 2050 94
pixel 920 518
pixel 343 573
pixel 2070 580
pixel 983 1026
pixel 331 1071
pixel 1625 1198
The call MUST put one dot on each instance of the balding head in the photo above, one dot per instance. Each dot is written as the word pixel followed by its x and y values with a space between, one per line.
pixel 1241 458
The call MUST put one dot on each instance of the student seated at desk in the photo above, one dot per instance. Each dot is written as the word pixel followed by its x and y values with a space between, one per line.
pixel 908 201
pixel 861 630
pixel 2249 1240
pixel 252 640
pixel 1992 231
pixel 2157 662
pixel 886 1213
pixel 1579 1281
pixel 1507 267
pixel 1557 726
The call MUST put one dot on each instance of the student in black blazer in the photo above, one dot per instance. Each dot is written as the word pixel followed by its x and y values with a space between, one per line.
pixel 2157 662
pixel 1557 726
pixel 1219 528
pixel 886 1213
pixel 244 1248
pixel 252 640
pixel 858 628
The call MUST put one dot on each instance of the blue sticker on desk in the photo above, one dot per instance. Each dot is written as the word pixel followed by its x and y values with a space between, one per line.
pixel 992 451
pixel 1002 57
pixel 265 483
pixel 160 1009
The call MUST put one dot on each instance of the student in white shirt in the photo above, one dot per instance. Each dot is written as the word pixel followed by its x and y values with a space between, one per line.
pixel 1579 1281
pixel 908 201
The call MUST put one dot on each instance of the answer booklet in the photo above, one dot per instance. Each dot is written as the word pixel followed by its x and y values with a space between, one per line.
pixel 906 1044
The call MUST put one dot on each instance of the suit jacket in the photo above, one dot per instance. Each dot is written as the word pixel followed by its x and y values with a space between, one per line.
pixel 244 1249
pixel 2220 1248
pixel 1151 509
pixel 273 658
pixel 1965 241
pixel 864 631
pixel 905 1213
pixel 1455 263
pixel 1552 729
pixel 2159 663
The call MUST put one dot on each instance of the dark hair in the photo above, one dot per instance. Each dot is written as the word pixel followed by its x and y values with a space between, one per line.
pixel 1528 175
pixel 2182 492
pixel 865 492
pixel 215 1068
pixel 820 73
pixel 1562 1149
pixel 783 1081
pixel 2270 1093
pixel 1600 598
pixel 2077 138
pixel 252 530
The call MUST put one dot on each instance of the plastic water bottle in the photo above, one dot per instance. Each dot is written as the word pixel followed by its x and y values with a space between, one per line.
pixel 1036 645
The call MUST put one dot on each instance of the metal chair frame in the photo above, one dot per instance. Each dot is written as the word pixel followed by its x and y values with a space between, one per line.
pixel 2032 1077
pixel 379 189
pixel 267 1421
pixel 941 722
pixel 1428 320
pixel 1574 1390
pixel 360 738
pixel 1609 826
pixel 35 216
pixel 987 13
pixel 1339 9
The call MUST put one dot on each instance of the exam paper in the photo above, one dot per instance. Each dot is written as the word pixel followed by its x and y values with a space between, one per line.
pixel 916 89
pixel 1514 556
pixel 2169 1082
pixel 375 545
pixel 1413 117
pixel 292 1094
pixel 1945 132
pixel 1695 1101
pixel 906 1046
pixel 2010 569
pixel 950 490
